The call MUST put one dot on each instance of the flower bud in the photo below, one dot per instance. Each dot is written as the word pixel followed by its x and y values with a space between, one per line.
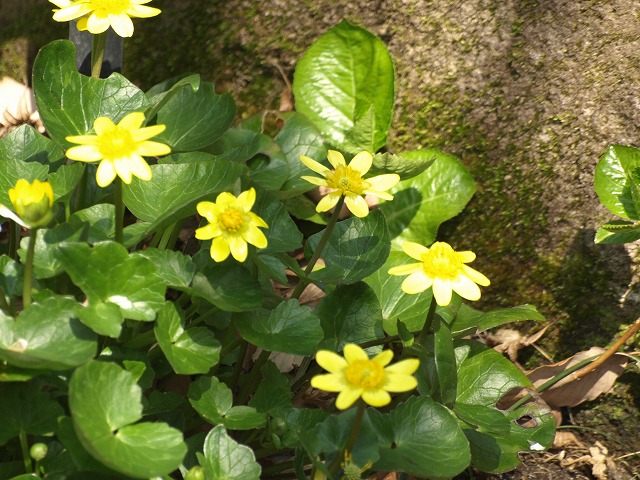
pixel 32 202
pixel 38 451
pixel 195 473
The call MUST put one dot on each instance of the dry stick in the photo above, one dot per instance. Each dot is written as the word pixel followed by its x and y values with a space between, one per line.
pixel 609 353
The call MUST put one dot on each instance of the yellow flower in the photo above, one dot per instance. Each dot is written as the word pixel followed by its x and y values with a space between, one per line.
pixel 98 15
pixel 442 268
pixel 356 376
pixel 119 148
pixel 347 180
pixel 232 225
pixel 32 203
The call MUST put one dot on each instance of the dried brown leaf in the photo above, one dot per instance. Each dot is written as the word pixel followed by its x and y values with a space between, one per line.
pixel 570 392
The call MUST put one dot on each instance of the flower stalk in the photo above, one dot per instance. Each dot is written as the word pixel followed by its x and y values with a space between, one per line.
pixel 97 53
pixel 28 268
pixel 353 437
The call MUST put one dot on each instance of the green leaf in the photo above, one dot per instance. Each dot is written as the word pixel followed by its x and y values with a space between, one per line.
pixel 422 438
pixel 298 137
pixel 175 268
pixel 440 365
pixel 228 286
pixel 333 87
pixel 495 318
pixel 69 102
pixel 349 314
pixel 189 351
pixel 484 377
pixel 406 164
pixel 483 419
pixel 423 203
pixel 26 144
pixel 618 232
pixel 106 273
pixel 213 401
pixel 195 116
pixel 289 328
pixel 283 234
pixel 616 180
pixel 411 310
pixel 65 180
pixel 273 395
pixel 225 458
pixel 46 335
pixel 11 276
pixel 105 403
pixel 100 220
pixel 356 248
pixel 27 409
pixel 175 189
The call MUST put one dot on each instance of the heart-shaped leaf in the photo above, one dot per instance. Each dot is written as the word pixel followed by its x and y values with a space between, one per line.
pixel 175 268
pixel 225 458
pixel 617 180
pixel 26 144
pixel 228 286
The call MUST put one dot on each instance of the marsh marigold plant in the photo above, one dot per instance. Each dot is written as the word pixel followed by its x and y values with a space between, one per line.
pixel 441 268
pixel 119 148
pixel 347 180
pixel 232 225
pixel 356 375
pixel 97 16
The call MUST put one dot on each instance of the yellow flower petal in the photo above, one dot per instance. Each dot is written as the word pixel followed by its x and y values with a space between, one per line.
pixel 362 162
pixel 257 221
pixel 414 250
pixel 97 23
pixel 84 153
pixel 105 174
pixel 400 383
pixel 246 199
pixel 208 210
pixel 466 256
pixel 153 149
pixel 382 183
pixel 404 367
pixel 328 202
pixel 328 382
pixel 101 125
pixel 133 122
pixel 348 397
pixel 219 249
pixel 476 276
pixel 83 139
pixel 357 205
pixel 353 353
pixel 416 282
pixel 255 237
pixel 321 182
pixel 225 199
pixel 384 357
pixel 376 397
pixel 238 248
pixel 442 291
pixel 121 24
pixel 315 166
pixel 335 158
pixel 71 12
pixel 140 168
pixel 330 361
pixel 466 288
pixel 143 12
pixel 405 269
pixel 123 169
pixel 208 232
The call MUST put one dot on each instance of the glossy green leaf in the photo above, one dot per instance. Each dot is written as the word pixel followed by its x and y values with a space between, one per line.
pixel 26 144
pixel 65 180
pixel 424 202
pixel 169 86
pixel 106 273
pixel 422 438
pixel 105 404
pixel 99 220
pixel 45 263
pixel 195 117
pixel 349 314
pixel 298 137
pixel 273 395
pixel 47 335
pixel 283 234
pixel 439 365
pixel 228 286
pixel 175 268
pixel 11 275
pixel 175 189
pixel 406 164
pixel 289 328
pixel 239 145
pixel 27 409
pixel 495 318
pixel 396 305
pixel 69 102
pixel 616 178
pixel 189 351
pixel 103 318
pixel 333 87
pixel 224 458
pixel 618 232
pixel 356 248
pixel 484 377
pixel 483 419
pixel 213 401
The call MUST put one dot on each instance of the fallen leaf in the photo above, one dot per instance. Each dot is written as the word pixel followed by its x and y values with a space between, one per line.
pixel 17 107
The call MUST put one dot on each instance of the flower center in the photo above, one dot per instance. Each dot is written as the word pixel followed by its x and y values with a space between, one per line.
pixel 346 179
pixel 441 261
pixel 365 374
pixel 113 7
pixel 116 143
pixel 231 219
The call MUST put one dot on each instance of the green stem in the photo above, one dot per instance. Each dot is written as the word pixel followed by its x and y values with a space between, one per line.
pixel 253 377
pixel 97 53
pixel 237 367
pixel 119 204
pixel 428 323
pixel 24 446
pixel 353 438
pixel 166 236
pixel 28 269
pixel 321 244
